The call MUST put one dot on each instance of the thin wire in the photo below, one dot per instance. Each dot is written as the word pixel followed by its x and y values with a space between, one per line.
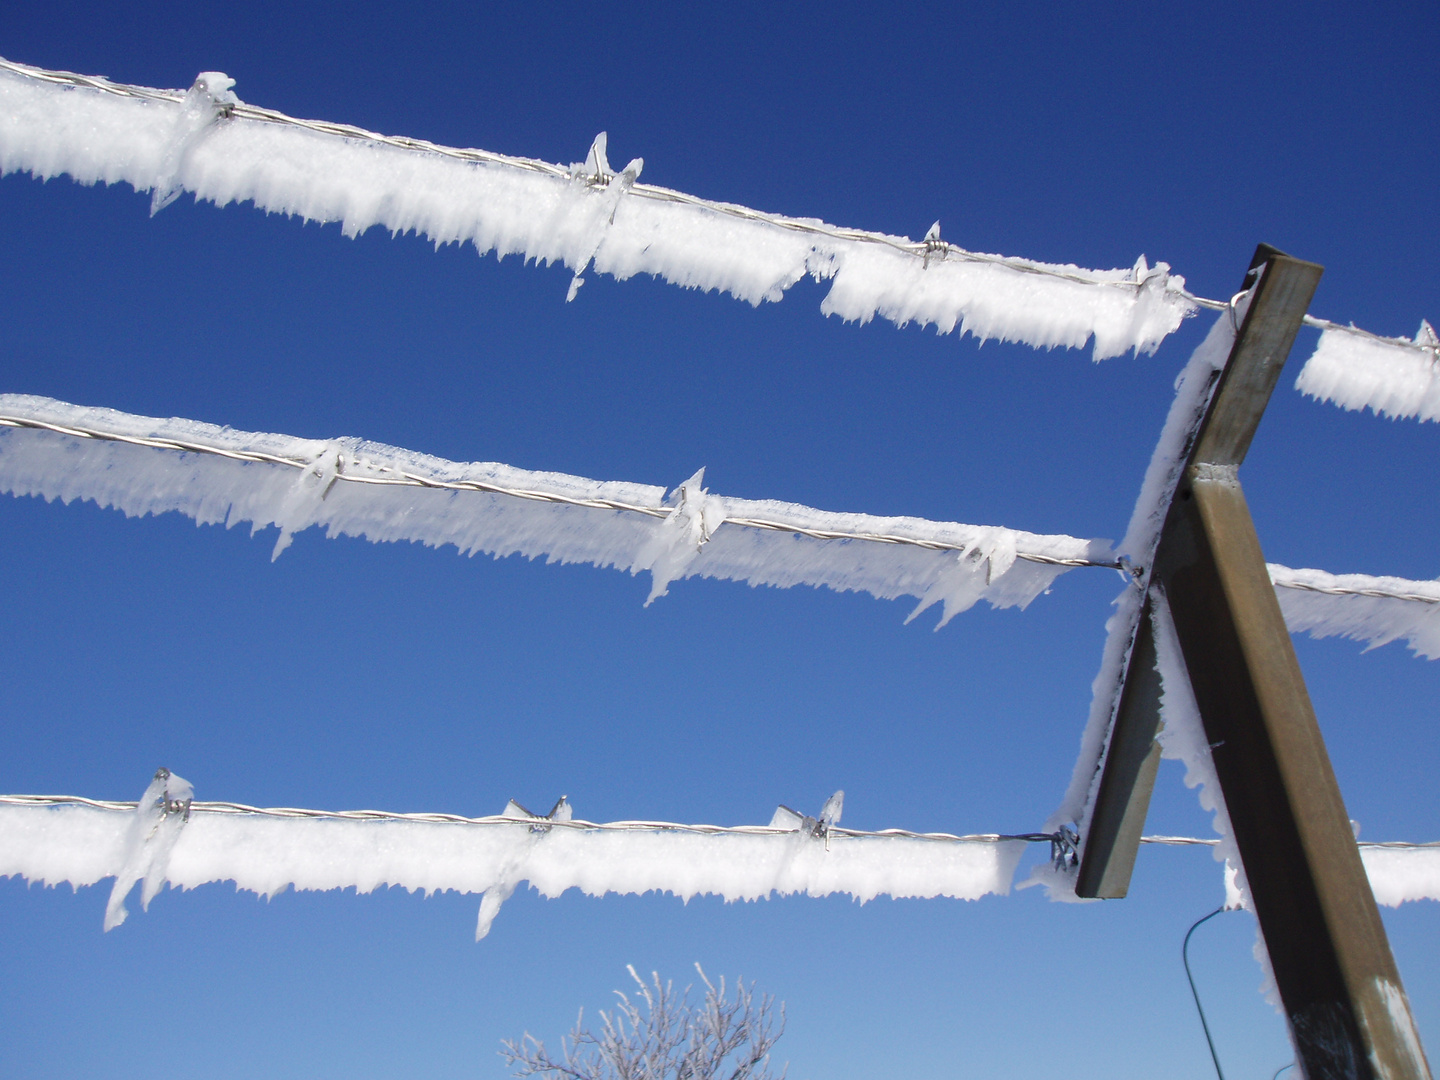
pixel 925 249
pixel 403 478
pixel 231 808
pixel 1382 594
pixel 1185 956
pixel 234 808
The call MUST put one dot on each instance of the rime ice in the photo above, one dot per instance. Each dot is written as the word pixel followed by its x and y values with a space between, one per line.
pixel 583 216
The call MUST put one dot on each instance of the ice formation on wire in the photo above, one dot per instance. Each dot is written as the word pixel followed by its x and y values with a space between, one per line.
pixel 150 835
pixel 1399 379
pixel 1311 602
pixel 83 845
pixel 207 143
pixel 688 534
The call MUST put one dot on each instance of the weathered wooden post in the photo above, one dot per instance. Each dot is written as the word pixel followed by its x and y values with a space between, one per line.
pixel 1348 1013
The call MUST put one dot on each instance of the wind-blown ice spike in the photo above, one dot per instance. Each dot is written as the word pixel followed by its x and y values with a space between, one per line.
pixel 511 873
pixel 205 103
pixel 150 838
pixel 679 537
pixel 607 188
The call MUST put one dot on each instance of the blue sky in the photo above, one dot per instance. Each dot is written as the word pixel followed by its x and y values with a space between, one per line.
pixel 351 675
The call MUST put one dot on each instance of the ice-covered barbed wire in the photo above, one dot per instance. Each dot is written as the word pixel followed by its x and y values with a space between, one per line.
pixel 1156 301
pixel 581 215
pixel 53 839
pixel 66 838
pixel 390 476
pixel 965 563
pixel 382 493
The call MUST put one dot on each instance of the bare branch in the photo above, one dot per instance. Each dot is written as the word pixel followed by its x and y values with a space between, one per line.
pixel 659 1035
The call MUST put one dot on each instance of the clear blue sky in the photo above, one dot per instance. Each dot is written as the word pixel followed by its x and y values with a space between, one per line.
pixel 352 675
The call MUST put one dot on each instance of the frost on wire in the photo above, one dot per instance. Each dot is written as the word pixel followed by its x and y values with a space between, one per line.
pixel 82 845
pixel 1398 379
pixel 689 532
pixel 582 215
pixel 686 536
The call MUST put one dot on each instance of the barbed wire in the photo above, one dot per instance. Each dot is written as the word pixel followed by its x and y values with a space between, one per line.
pixel 404 478
pixel 411 479
pixel 926 250
pixel 241 809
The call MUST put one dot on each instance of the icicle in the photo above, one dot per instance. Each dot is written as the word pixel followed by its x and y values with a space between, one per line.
pixel 978 566
pixel 158 818
pixel 609 187
pixel 512 873
pixel 679 537
pixel 299 509
pixel 205 102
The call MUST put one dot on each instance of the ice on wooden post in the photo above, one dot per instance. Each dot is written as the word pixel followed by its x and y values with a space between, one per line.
pixel 149 841
pixel 1399 379
pixel 1193 389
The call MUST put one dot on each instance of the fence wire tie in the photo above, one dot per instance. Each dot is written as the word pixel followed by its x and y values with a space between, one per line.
pixel 1065 848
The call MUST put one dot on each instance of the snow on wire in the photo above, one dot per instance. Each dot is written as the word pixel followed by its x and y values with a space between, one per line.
pixel 54 839
pixel 583 215
pixel 352 487
pixel 383 493
pixel 210 143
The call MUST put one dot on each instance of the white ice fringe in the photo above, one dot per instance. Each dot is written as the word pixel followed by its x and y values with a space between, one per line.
pixel 82 845
pixel 209 144
pixel 1193 388
pixel 1399 378
pixel 1337 605
pixel 687 536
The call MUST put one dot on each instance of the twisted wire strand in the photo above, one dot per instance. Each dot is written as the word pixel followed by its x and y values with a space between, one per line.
pixel 1380 594
pixel 925 249
pixel 234 808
